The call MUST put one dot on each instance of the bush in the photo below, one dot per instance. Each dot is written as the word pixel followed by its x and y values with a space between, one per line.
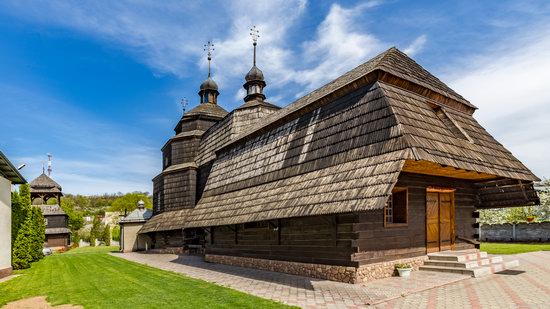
pixel 116 232
pixel 107 235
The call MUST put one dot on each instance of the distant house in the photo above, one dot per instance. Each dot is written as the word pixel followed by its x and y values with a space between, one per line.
pixel 130 225
pixel 8 176
pixel 380 166
pixel 44 188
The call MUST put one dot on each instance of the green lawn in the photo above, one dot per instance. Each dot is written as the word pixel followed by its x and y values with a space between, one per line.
pixel 94 279
pixel 509 248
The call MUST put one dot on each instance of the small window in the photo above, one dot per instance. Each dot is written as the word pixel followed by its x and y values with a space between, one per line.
pixel 256 225
pixel 46 221
pixel 395 211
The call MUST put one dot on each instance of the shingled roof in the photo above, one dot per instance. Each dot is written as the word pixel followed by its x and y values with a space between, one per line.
pixel 44 184
pixel 166 221
pixel 343 153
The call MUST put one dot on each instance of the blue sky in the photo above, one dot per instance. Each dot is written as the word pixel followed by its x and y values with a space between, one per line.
pixel 98 83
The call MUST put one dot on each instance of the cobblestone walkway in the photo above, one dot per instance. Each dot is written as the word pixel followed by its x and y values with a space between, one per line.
pixel 525 287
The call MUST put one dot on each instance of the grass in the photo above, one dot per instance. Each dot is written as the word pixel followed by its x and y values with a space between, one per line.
pixel 513 248
pixel 92 278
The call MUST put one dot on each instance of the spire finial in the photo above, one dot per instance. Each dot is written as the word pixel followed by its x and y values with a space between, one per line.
pixel 209 48
pixel 184 103
pixel 255 34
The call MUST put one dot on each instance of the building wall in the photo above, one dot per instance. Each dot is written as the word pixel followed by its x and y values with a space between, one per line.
pixel 179 190
pixel 377 243
pixel 318 239
pixel 5 227
pixel 56 221
pixel 57 240
pixel 131 240
pixel 352 239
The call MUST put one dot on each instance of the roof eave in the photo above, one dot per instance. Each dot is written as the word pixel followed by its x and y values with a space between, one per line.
pixel 16 177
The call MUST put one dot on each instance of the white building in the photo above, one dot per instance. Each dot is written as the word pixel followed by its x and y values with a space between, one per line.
pixel 8 176
pixel 130 239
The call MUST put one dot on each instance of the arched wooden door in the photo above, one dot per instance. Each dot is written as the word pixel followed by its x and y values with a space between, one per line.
pixel 440 220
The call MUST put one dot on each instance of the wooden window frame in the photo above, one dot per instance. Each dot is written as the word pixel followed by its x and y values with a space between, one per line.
pixel 397 225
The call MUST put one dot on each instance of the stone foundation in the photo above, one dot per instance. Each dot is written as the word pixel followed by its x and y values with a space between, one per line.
pixel 5 272
pixel 381 270
pixel 321 271
pixel 169 250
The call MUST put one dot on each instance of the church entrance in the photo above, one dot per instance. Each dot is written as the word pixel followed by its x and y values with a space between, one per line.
pixel 440 220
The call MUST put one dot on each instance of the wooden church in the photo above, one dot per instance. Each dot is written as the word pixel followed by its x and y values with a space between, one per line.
pixel 43 188
pixel 384 164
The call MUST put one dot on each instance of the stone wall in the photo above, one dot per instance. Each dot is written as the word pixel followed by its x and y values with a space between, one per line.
pixel 381 270
pixel 522 232
pixel 321 271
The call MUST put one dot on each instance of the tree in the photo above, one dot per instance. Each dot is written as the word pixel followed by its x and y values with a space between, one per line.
pixel 95 232
pixel 25 196
pixel 21 255
pixel 116 232
pixel 38 234
pixel 128 202
pixel 107 235
pixel 76 218
pixel 18 215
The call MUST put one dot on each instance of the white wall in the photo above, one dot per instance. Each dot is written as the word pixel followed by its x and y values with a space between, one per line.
pixel 5 223
pixel 131 240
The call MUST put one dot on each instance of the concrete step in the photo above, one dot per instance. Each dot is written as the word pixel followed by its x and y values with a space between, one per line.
pixel 476 271
pixel 465 264
pixel 457 256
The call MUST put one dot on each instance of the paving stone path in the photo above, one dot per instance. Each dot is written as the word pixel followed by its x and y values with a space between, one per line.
pixel 527 286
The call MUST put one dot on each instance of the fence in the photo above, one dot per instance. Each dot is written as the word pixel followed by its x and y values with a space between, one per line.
pixel 521 232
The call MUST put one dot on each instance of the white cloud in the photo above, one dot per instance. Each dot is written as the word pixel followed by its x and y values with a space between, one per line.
pixel 339 46
pixel 90 155
pixel 416 45
pixel 510 87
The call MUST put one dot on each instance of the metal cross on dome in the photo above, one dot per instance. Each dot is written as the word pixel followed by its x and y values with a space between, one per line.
pixel 255 34
pixel 209 48
pixel 184 103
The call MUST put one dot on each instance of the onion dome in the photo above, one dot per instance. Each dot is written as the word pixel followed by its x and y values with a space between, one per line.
pixel 209 84
pixel 254 74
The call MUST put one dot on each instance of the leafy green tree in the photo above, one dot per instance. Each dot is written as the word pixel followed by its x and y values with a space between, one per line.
pixel 76 218
pixel 38 234
pixel 116 232
pixel 84 234
pixel 107 235
pixel 128 202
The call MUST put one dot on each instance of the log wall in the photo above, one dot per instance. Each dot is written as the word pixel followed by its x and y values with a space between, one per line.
pixel 351 239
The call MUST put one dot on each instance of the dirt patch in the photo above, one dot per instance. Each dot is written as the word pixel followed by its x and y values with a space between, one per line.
pixel 38 302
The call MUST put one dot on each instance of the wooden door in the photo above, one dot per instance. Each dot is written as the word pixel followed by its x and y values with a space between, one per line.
pixel 439 221
pixel 432 221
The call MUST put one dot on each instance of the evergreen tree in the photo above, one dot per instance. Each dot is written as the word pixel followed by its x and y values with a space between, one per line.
pixel 95 232
pixel 107 235
pixel 25 196
pixel 17 216
pixel 39 234
pixel 21 255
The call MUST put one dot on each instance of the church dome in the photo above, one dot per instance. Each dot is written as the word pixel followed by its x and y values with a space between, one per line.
pixel 254 74
pixel 209 84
